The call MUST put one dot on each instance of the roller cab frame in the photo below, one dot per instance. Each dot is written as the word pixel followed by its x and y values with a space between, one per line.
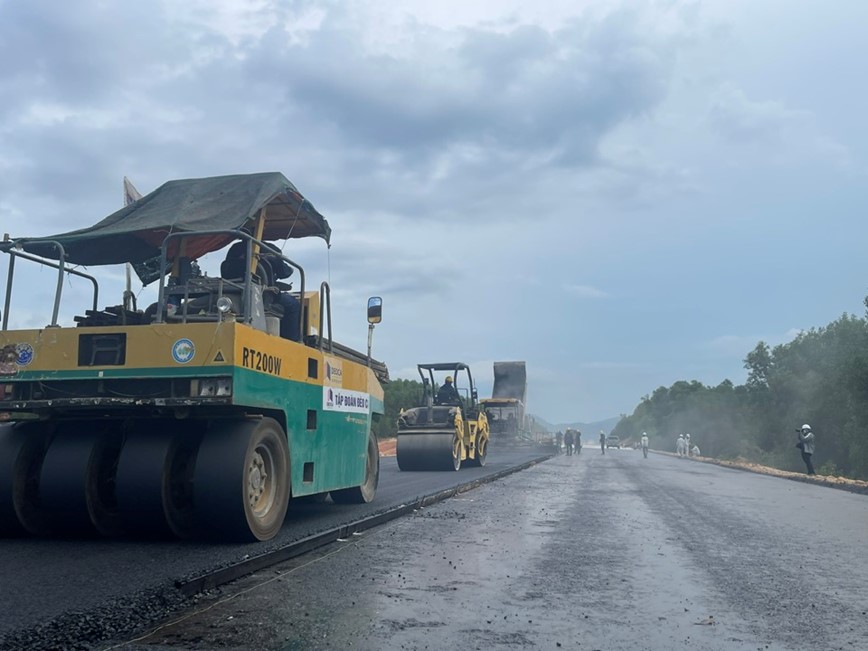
pixel 443 435
pixel 192 417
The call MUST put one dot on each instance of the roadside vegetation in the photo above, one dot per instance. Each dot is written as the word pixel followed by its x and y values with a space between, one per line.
pixel 399 394
pixel 820 378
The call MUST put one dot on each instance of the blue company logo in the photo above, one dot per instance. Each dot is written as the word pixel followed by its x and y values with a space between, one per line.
pixel 25 354
pixel 183 351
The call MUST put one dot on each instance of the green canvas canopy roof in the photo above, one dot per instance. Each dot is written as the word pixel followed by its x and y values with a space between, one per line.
pixel 136 232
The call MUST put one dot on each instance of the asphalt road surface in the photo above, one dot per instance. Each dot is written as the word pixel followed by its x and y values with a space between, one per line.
pixel 55 591
pixel 583 552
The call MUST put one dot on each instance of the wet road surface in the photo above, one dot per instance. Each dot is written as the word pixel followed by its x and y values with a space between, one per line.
pixel 583 552
pixel 81 587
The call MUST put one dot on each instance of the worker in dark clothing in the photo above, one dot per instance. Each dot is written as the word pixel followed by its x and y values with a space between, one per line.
pixel 578 441
pixel 290 322
pixel 602 441
pixel 270 268
pixel 448 394
pixel 568 442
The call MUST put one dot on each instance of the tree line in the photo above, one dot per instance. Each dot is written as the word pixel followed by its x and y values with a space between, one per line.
pixel 399 394
pixel 819 378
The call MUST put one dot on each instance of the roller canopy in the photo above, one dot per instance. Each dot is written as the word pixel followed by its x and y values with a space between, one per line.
pixel 136 232
pixel 445 366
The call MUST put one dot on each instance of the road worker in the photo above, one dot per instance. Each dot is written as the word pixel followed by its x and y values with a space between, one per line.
pixel 448 394
pixel 806 445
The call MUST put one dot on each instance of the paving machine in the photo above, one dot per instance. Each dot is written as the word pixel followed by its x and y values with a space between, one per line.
pixel 448 428
pixel 506 408
pixel 202 415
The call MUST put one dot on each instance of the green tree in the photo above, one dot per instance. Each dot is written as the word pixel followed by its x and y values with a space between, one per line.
pixel 758 364
pixel 820 377
pixel 399 394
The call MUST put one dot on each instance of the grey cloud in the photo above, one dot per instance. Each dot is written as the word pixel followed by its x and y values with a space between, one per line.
pixel 527 90
pixel 77 52
pixel 386 277
pixel 482 119
pixel 741 119
pixel 401 272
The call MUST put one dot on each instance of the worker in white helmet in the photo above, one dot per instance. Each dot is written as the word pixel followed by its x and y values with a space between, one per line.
pixel 644 443
pixel 679 445
pixel 806 445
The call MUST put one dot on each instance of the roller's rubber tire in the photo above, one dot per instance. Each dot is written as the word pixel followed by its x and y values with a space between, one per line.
pixel 22 449
pixel 364 493
pixel 241 483
pixel 76 483
pixel 154 480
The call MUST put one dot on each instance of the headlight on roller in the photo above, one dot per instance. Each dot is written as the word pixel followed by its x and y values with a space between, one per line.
pixel 210 387
pixel 224 305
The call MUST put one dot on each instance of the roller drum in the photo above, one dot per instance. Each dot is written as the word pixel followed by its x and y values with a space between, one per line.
pixel 429 451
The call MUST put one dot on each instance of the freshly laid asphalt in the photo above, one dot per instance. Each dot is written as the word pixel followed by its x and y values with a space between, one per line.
pixel 54 592
pixel 584 552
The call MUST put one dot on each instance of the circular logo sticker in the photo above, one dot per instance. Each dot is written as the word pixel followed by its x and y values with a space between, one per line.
pixel 183 351
pixel 25 354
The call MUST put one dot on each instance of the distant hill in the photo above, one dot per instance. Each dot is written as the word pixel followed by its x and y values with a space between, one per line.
pixel 606 425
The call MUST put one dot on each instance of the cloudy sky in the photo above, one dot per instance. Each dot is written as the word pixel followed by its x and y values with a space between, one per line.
pixel 622 193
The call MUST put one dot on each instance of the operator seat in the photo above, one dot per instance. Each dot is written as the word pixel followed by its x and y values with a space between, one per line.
pixel 234 267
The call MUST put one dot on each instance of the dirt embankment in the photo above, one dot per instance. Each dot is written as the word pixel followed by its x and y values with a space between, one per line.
pixel 387 447
pixel 852 485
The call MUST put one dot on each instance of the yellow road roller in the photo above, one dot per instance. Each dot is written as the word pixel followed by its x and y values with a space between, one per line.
pixel 448 428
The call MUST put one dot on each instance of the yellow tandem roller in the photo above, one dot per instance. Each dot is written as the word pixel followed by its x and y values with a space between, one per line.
pixel 448 428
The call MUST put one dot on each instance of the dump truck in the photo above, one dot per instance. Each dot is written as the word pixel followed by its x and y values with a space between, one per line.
pixel 506 407
pixel 204 414
pixel 448 428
